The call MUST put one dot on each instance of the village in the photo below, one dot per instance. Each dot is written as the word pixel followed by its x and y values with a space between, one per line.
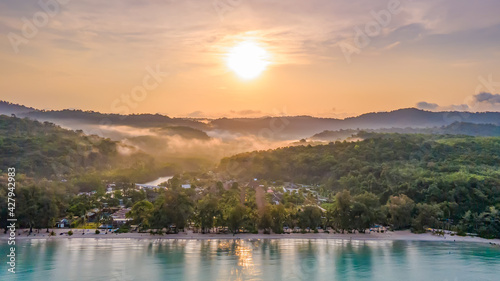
pixel 116 202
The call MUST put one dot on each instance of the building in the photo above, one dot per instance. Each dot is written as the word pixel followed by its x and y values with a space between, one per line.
pixel 119 217
pixel 63 223
pixel 291 190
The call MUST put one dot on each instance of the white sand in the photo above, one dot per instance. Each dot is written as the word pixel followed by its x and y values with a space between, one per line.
pixel 397 235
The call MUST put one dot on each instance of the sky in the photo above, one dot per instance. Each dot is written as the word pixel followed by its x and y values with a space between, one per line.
pixel 323 58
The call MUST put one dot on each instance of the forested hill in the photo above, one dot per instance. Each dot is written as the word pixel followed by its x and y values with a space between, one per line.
pixel 457 128
pixel 46 150
pixel 463 170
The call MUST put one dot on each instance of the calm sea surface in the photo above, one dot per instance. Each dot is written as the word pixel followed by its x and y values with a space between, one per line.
pixel 124 259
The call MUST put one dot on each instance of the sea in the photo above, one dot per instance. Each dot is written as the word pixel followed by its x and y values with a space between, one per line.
pixel 249 259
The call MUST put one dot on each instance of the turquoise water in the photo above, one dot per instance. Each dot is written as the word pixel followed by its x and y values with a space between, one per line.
pixel 130 259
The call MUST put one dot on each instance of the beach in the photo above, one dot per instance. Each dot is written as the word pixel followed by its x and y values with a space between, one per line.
pixel 404 235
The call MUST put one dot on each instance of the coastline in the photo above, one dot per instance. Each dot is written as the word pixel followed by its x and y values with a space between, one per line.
pixel 404 235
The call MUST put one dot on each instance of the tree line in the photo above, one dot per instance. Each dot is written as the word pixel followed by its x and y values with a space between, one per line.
pixel 453 180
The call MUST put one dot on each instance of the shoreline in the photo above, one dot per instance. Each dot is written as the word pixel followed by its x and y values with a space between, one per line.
pixel 404 235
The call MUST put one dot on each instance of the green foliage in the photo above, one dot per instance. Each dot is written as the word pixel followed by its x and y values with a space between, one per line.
pixel 349 213
pixel 266 219
pixel 141 213
pixel 427 169
pixel 123 229
pixel 207 210
pixel 173 208
pixel 40 205
pixel 44 150
pixel 429 215
pixel 279 216
pixel 486 224
pixel 310 217
pixel 421 180
pixel 400 209
pixel 236 217
pixel 415 181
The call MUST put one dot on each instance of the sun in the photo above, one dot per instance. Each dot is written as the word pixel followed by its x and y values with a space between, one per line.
pixel 248 60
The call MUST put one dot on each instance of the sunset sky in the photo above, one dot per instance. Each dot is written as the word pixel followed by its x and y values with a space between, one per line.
pixel 92 54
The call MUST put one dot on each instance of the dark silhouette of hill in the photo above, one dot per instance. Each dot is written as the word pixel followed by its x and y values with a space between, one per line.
pixel 305 126
pixel 134 120
pixel 457 128
pixel 279 128
pixel 7 108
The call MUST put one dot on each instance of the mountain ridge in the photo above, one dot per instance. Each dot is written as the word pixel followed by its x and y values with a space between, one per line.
pixel 279 127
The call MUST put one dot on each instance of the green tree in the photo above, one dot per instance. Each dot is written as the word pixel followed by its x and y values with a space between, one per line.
pixel 365 211
pixel 236 217
pixel 141 213
pixel 310 217
pixel 428 215
pixel 174 208
pixel 340 213
pixel 400 210
pixel 28 205
pixel 47 210
pixel 266 219
pixel 489 223
pixel 279 216
pixel 207 210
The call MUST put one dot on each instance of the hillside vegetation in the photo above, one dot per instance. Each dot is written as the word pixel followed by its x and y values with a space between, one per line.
pixel 44 150
pixel 455 177
pixel 457 128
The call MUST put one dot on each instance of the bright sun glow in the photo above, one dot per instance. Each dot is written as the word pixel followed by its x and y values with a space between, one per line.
pixel 247 59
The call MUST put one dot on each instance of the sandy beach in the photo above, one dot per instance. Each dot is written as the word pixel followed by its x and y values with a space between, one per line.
pixel 404 235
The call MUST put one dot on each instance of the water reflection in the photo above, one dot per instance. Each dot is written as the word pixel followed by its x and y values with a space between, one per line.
pixel 241 259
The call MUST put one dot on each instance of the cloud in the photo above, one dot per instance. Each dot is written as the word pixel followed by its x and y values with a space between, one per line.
pixel 436 107
pixel 112 41
pixel 230 114
pixel 487 98
pixel 247 112
pixel 457 107
pixel 479 103
pixel 196 114
pixel 427 106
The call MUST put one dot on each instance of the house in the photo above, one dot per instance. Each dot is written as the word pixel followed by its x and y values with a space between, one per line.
pixel 92 215
pixel 146 186
pixel 119 217
pixel 87 193
pixel 63 223
pixel 291 190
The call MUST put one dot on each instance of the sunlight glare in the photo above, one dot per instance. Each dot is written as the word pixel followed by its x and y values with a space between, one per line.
pixel 248 60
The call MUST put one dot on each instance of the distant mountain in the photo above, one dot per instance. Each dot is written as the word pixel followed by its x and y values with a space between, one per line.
pixel 328 135
pixel 277 128
pixel 457 128
pixel 182 131
pixel 287 127
pixel 305 126
pixel 416 118
pixel 7 108
pixel 97 118
pixel 469 129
